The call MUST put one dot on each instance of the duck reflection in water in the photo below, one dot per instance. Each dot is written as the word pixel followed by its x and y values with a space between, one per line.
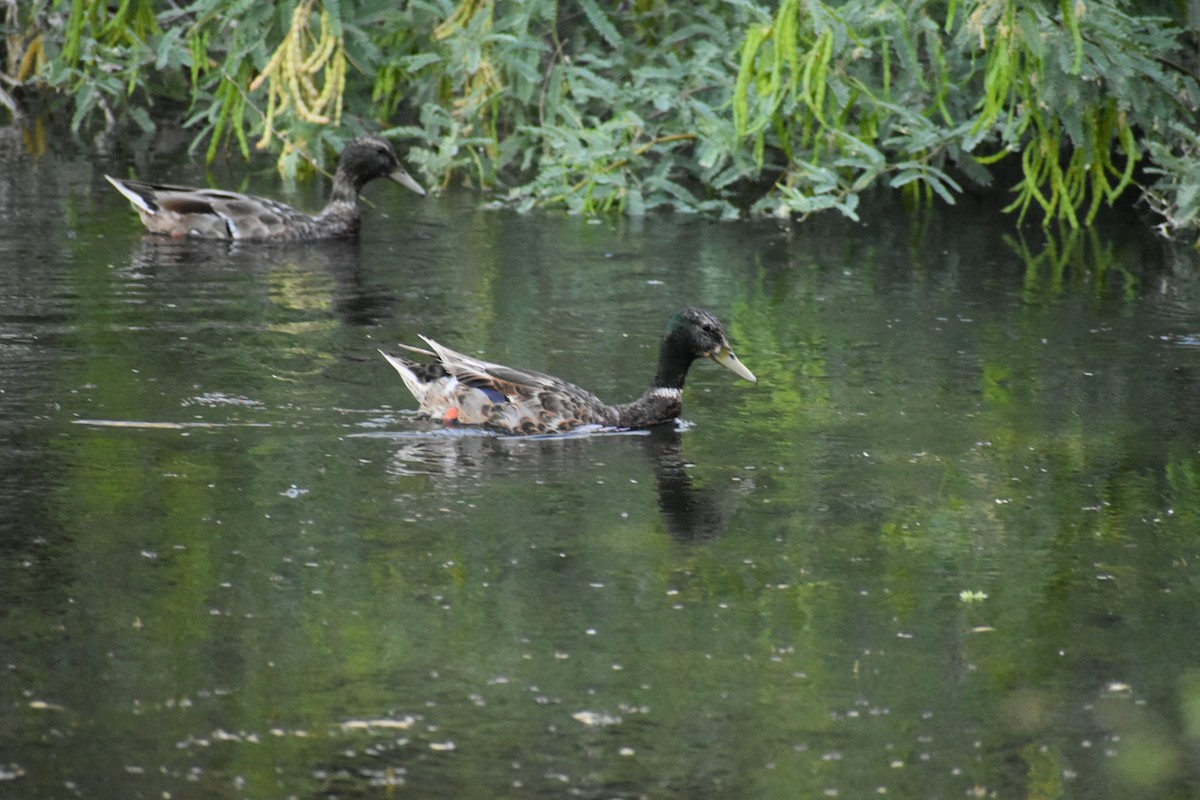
pixel 690 514
pixel 328 273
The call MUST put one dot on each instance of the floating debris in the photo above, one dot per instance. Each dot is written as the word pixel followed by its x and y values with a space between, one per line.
pixel 11 772
pixel 595 718
pixel 42 705
pixel 388 723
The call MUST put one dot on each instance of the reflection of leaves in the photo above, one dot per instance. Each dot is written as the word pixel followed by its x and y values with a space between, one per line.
pixel 946 528
pixel 996 380
pixel 1068 258
pixel 1183 480
pixel 1046 767
pixel 777 339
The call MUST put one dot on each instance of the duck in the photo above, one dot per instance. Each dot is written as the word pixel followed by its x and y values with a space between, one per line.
pixel 181 211
pixel 457 389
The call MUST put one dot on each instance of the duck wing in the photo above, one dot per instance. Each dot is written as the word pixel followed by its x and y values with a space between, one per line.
pixel 508 381
pixel 211 213
pixel 471 391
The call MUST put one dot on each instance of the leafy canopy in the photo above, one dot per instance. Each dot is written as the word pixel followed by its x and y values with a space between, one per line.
pixel 724 108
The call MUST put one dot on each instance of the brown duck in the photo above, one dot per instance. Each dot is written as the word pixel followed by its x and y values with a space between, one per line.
pixel 181 211
pixel 457 389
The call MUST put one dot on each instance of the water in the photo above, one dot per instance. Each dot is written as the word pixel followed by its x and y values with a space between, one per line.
pixel 946 547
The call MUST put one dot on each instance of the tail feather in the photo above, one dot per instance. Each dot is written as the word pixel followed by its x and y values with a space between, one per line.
pixel 416 386
pixel 140 202
pixel 412 349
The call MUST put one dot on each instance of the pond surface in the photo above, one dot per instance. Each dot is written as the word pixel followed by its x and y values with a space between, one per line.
pixel 948 546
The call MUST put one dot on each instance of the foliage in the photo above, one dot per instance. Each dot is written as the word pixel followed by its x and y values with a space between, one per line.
pixel 786 108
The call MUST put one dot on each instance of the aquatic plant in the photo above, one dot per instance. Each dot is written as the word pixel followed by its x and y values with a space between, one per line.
pixel 724 108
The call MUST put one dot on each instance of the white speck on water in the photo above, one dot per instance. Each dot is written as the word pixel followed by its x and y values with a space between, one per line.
pixel 595 718
pixel 293 492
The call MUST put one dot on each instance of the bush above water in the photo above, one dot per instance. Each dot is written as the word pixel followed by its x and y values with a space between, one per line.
pixel 725 108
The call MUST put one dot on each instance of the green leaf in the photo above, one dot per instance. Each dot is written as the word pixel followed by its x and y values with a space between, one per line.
pixel 142 117
pixel 171 49
pixel 600 22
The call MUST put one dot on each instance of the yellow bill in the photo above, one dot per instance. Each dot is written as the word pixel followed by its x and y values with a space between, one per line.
pixel 729 360
pixel 404 179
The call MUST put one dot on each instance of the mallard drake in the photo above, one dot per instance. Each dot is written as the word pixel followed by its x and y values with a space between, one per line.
pixel 214 214
pixel 457 389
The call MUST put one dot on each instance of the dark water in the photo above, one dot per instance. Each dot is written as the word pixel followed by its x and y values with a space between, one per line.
pixel 948 546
